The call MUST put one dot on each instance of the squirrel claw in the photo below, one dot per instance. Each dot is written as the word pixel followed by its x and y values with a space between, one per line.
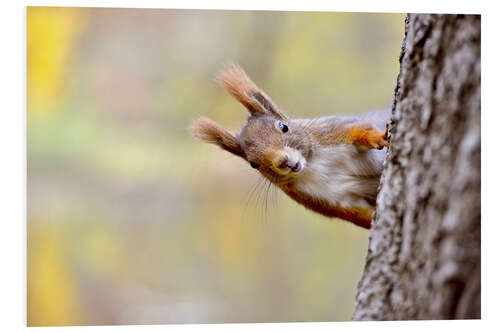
pixel 382 141
pixel 385 138
pixel 386 134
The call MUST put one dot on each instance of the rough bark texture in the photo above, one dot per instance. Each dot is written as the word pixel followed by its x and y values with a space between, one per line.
pixel 424 259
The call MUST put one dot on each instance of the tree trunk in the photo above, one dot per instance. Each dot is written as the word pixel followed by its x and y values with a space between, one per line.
pixel 424 259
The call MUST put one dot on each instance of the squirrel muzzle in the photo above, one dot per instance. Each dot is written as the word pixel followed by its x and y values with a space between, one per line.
pixel 287 161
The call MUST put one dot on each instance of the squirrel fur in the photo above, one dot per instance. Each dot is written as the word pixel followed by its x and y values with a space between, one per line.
pixel 331 165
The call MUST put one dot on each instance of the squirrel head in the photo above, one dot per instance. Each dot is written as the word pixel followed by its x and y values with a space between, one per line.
pixel 269 141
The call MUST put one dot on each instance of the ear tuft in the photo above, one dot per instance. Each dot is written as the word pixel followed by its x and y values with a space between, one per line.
pixel 203 129
pixel 234 79
pixel 209 131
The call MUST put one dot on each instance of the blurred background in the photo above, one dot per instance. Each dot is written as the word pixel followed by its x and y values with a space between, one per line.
pixel 130 220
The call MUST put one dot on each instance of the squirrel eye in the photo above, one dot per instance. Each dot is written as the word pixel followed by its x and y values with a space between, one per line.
pixel 283 127
pixel 254 165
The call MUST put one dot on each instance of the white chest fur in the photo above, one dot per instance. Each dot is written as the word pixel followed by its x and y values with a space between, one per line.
pixel 342 175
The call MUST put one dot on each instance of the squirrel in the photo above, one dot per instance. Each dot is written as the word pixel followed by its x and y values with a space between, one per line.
pixel 331 165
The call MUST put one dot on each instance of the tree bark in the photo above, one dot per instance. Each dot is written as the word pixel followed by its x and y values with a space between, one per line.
pixel 424 259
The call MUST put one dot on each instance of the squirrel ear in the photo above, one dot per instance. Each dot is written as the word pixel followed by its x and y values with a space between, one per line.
pixel 234 79
pixel 209 131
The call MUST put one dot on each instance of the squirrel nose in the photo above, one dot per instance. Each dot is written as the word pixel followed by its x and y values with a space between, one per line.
pixel 284 163
pixel 287 162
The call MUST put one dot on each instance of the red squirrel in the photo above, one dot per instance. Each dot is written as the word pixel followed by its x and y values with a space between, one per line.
pixel 331 165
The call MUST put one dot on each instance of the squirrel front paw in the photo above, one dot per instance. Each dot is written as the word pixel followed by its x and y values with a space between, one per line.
pixel 370 137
